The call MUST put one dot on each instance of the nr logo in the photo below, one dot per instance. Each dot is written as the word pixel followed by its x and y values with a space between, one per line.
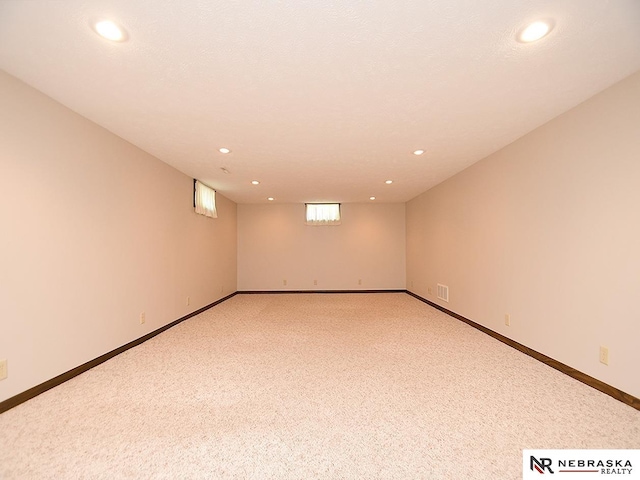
pixel 540 465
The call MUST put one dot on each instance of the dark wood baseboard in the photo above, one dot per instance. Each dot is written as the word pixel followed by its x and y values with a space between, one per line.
pixel 561 367
pixel 54 382
pixel 279 292
pixel 567 370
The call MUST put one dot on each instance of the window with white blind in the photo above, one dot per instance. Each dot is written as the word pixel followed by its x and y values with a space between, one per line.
pixel 204 199
pixel 323 213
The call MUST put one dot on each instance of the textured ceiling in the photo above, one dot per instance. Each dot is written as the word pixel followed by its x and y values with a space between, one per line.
pixel 320 100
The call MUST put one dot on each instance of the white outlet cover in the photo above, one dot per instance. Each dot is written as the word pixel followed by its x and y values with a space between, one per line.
pixel 3 369
pixel 604 355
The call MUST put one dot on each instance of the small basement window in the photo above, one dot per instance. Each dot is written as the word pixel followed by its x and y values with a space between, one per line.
pixel 323 213
pixel 204 199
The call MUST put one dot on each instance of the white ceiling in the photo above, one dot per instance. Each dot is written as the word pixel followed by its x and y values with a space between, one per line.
pixel 320 100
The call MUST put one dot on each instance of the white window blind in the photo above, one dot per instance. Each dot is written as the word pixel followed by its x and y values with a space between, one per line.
pixel 323 213
pixel 205 200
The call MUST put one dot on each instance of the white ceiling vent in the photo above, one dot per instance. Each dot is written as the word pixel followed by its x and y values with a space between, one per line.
pixel 443 292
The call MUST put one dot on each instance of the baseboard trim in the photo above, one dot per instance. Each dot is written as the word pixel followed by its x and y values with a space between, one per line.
pixel 280 292
pixel 561 367
pixel 55 381
pixel 616 393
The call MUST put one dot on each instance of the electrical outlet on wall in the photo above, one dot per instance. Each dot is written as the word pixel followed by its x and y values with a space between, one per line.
pixel 507 319
pixel 284 282
pixel 604 355
pixel 359 281
pixel 315 282
pixel 3 369
pixel 188 301
pixel 142 318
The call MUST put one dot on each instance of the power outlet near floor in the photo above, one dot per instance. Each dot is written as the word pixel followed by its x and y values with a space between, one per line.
pixel 604 355
pixel 143 318
pixel 188 301
pixel 315 282
pixel 284 282
pixel 3 369
pixel 507 319
pixel 359 281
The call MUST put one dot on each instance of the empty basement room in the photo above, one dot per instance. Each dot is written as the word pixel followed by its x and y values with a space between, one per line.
pixel 319 240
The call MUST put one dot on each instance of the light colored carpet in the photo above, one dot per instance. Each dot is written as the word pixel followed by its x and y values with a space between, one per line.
pixel 347 386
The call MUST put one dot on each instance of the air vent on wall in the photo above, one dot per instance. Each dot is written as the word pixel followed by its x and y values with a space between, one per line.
pixel 443 292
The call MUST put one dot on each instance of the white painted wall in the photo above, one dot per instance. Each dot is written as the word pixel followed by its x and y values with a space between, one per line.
pixel 93 232
pixel 547 230
pixel 274 244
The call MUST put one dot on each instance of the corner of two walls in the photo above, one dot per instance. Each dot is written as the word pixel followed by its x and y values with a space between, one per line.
pixel 546 230
pixel 94 232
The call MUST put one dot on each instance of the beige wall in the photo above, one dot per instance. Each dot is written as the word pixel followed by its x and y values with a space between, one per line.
pixel 93 232
pixel 547 230
pixel 274 244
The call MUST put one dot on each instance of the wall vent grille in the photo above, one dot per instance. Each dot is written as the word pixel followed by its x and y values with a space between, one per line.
pixel 443 292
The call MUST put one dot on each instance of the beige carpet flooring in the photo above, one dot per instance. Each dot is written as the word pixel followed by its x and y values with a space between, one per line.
pixel 347 386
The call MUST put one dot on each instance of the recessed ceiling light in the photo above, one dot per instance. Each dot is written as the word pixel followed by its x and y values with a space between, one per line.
pixel 372 198
pixel 271 199
pixel 389 182
pixel 418 152
pixel 255 182
pixel 110 30
pixel 534 31
pixel 224 150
